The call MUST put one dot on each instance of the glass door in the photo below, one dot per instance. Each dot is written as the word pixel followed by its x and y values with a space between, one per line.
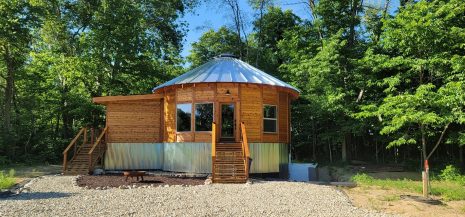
pixel 227 121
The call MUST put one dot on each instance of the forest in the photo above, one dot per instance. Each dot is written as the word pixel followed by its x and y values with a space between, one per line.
pixel 380 81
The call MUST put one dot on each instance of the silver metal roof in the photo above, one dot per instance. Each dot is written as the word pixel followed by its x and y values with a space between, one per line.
pixel 226 68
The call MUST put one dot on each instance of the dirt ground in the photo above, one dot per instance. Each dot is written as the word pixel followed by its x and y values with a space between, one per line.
pixel 399 202
pixel 115 181
pixel 25 172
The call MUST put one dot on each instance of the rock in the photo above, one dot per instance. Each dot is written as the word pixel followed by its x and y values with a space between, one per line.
pixel 208 181
pixel 99 172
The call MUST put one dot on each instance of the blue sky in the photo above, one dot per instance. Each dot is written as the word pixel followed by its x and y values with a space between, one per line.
pixel 212 16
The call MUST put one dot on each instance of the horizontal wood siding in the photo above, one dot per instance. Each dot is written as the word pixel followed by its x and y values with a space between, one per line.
pixel 134 121
pixel 140 120
pixel 283 117
pixel 204 93
pixel 251 111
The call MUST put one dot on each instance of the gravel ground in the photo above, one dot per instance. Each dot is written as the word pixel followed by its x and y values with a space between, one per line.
pixel 58 196
pixel 118 180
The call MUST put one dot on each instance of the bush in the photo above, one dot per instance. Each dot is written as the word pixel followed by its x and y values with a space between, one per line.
pixel 452 174
pixel 7 180
pixel 449 185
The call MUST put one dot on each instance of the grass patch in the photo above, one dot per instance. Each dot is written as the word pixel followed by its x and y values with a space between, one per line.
pixel 390 198
pixel 448 190
pixel 7 180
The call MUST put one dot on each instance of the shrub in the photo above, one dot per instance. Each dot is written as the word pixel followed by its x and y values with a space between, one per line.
pixel 452 174
pixel 7 180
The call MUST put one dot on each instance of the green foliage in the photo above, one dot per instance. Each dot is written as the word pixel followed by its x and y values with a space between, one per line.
pixel 448 190
pixel 452 174
pixel 7 180
pixel 65 52
pixel 369 79
pixel 212 44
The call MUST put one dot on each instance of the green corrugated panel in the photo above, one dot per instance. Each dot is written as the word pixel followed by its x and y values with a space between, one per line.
pixel 134 156
pixel 266 157
pixel 187 157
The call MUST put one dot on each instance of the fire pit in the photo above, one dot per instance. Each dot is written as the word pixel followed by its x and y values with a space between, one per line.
pixel 133 174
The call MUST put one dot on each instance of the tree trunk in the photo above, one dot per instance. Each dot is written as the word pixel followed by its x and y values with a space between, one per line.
pixel 461 155
pixel 423 141
pixel 260 24
pixel 8 102
pixel 65 112
pixel 344 149
pixel 330 152
pixel 311 4
pixel 314 140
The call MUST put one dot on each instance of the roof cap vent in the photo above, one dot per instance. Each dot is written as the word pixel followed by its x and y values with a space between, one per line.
pixel 227 55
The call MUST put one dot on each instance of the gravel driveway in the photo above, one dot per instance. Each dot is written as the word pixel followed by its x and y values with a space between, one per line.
pixel 56 196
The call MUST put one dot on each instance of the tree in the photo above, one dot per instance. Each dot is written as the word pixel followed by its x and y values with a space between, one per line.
pixel 272 27
pixel 212 44
pixel 16 19
pixel 239 21
pixel 420 57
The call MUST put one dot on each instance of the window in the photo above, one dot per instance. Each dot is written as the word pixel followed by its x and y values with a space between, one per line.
pixel 203 116
pixel 183 117
pixel 269 119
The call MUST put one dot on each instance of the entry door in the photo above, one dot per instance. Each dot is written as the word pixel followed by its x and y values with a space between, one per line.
pixel 228 122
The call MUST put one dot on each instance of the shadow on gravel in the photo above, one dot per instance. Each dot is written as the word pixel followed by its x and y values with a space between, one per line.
pixel 38 196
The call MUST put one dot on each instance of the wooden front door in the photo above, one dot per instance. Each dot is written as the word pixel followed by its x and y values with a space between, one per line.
pixel 227 121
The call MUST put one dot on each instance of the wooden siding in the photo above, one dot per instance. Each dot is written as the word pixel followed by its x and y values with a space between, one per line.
pixel 283 117
pixel 251 111
pixel 140 120
pixel 170 117
pixel 134 121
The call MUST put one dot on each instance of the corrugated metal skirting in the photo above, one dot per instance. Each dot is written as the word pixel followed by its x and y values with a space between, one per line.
pixel 187 157
pixel 266 157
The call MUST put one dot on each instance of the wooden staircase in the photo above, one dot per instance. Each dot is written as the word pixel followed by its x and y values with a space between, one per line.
pixel 85 156
pixel 230 161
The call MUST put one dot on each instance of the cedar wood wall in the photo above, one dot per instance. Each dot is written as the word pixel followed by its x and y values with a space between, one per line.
pixel 140 121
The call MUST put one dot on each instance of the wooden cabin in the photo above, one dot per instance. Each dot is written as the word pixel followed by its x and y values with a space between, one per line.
pixel 212 119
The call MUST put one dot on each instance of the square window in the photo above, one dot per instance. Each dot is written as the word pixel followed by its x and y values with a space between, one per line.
pixel 203 117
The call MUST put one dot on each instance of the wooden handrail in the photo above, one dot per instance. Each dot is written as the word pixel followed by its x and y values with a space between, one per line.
pixel 213 148
pixel 74 140
pixel 97 143
pixel 213 139
pixel 245 149
pixel 244 140
pixel 98 140
pixel 71 144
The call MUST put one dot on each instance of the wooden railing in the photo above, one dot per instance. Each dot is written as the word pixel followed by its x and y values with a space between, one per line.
pixel 100 147
pixel 213 147
pixel 72 145
pixel 245 149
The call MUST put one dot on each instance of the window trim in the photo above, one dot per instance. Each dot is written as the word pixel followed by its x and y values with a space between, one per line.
pixel 213 120
pixel 275 119
pixel 190 122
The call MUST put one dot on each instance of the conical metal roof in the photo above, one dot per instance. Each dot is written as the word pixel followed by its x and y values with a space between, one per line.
pixel 226 68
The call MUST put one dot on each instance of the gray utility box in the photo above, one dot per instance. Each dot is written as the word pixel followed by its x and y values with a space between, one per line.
pixel 303 172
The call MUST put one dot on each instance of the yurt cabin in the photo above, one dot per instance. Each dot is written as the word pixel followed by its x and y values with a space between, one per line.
pixel 218 118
